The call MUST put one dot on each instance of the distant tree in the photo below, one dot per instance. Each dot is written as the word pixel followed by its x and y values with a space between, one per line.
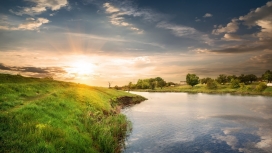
pixel 251 78
pixel 211 84
pixel 160 82
pixel 109 85
pixel 230 77
pixel 150 83
pixel 192 79
pixel 234 83
pixel 261 87
pixel 267 76
pixel 129 86
pixel 222 79
pixel 205 80
pixel 170 84
pixel 244 79
pixel 116 87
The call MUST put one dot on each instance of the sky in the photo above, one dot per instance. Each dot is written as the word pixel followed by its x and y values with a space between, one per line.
pixel 118 41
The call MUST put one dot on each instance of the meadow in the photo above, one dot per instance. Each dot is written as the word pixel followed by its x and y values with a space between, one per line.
pixel 44 115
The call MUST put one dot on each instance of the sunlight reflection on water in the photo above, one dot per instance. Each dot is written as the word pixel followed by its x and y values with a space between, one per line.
pixel 182 122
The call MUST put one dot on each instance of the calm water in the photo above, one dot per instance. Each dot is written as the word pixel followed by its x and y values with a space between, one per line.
pixel 182 122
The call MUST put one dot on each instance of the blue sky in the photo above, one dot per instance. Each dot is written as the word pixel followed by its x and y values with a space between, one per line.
pixel 97 41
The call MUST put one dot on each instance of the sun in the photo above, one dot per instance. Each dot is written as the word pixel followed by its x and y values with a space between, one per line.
pixel 81 67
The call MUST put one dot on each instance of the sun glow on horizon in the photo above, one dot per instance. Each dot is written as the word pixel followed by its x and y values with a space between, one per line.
pixel 81 68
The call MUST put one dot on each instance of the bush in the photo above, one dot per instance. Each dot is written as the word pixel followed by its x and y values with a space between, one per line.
pixel 211 84
pixel 234 83
pixel 248 88
pixel 261 87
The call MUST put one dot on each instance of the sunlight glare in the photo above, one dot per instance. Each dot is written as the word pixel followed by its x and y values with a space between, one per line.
pixel 82 68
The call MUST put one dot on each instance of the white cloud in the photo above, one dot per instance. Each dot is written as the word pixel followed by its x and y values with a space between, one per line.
pixel 207 15
pixel 231 37
pixel 261 17
pixel 29 24
pixel 261 13
pixel 40 6
pixel 116 17
pixel 229 139
pixel 259 41
pixel 177 30
pixel 110 8
pixel 33 24
pixel 230 28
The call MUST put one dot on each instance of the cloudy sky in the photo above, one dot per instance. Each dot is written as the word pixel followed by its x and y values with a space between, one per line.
pixel 97 41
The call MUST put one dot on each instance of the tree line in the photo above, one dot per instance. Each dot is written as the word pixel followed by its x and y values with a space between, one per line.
pixel 193 79
pixel 150 83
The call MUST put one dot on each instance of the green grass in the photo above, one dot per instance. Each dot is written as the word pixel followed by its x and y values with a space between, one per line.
pixel 41 115
pixel 202 88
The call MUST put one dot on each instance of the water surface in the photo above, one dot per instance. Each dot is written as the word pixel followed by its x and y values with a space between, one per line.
pixel 183 122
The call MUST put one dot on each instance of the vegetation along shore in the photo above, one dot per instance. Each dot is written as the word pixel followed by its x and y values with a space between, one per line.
pixel 44 115
pixel 248 84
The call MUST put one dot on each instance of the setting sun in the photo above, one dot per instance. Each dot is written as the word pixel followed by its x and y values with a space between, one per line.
pixel 81 68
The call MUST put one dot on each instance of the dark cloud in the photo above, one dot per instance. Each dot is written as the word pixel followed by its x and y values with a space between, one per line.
pixel 230 70
pixel 265 59
pixel 33 69
pixel 36 71
pixel 3 67
pixel 246 47
pixel 256 64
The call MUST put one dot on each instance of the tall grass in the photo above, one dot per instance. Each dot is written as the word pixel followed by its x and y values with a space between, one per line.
pixel 41 115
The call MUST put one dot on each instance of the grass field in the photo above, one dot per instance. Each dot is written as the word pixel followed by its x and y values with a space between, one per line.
pixel 202 88
pixel 43 115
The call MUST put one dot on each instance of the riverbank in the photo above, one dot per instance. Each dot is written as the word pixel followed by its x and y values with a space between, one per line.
pixel 222 89
pixel 44 115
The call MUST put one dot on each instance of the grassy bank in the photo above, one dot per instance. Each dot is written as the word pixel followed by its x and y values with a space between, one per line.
pixel 43 115
pixel 202 88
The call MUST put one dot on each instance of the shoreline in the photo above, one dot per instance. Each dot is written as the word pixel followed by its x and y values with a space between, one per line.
pixel 267 93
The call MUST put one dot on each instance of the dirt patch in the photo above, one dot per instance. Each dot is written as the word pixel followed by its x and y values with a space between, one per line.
pixel 128 101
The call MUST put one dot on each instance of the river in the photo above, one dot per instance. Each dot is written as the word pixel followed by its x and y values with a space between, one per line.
pixel 206 123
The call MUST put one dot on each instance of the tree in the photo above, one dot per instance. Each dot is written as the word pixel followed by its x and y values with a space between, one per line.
pixel 150 83
pixel 222 79
pixel 244 79
pixel 170 84
pixel 261 87
pixel 116 87
pixel 211 84
pixel 267 76
pixel 230 77
pixel 129 86
pixel 234 83
pixel 109 85
pixel 251 77
pixel 192 79
pixel 160 82
pixel 205 80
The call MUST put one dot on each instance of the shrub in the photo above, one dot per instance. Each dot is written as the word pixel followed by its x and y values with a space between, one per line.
pixel 211 84
pixel 234 83
pixel 248 88
pixel 261 87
